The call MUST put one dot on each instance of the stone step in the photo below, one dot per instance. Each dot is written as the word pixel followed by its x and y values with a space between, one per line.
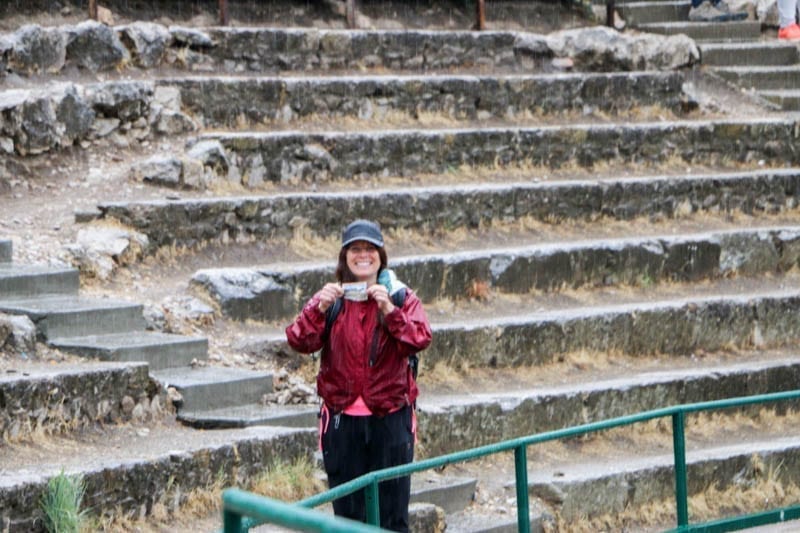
pixel 745 30
pixel 158 350
pixel 187 222
pixel 292 156
pixel 762 78
pixel 671 326
pixel 52 399
pixel 213 387
pixel 471 521
pixel 524 13
pixel 293 49
pixel 271 293
pixel 450 493
pixel 132 470
pixel 75 316
pixel 458 421
pixel 24 281
pixel 253 414
pixel 582 489
pixel 788 100
pixel 637 13
pixel 505 332
pixel 227 101
pixel 6 247
pixel 760 53
pixel 626 2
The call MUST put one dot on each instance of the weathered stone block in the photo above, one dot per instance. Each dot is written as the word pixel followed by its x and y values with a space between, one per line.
pixel 245 294
pixel 125 100
pixel 146 41
pixel 37 49
pixel 95 46
pixel 748 254
pixel 693 260
pixel 75 114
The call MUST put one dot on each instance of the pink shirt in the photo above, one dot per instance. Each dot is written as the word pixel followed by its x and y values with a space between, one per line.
pixel 357 408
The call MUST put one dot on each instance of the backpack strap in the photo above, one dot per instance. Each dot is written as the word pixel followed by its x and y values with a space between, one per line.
pixel 331 313
pixel 398 299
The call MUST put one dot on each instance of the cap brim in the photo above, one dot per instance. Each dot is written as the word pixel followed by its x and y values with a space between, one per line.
pixel 351 240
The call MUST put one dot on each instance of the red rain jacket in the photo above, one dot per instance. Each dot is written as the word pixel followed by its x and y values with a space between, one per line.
pixel 345 371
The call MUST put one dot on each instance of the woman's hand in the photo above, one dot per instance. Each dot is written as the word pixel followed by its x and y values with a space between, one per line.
pixel 328 294
pixel 381 296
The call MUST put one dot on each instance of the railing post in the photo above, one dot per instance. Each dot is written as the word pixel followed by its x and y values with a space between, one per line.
pixel 521 469
pixel 480 15
pixel 610 13
pixel 223 13
pixel 350 13
pixel 373 505
pixel 679 448
pixel 231 521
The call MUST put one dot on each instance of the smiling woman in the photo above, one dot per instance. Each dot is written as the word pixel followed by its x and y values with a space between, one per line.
pixel 367 420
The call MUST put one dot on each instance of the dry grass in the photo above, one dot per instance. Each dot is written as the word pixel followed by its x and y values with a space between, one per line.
pixel 479 290
pixel 307 243
pixel 394 118
pixel 761 491
pixel 289 481
pixel 32 432
pixel 173 509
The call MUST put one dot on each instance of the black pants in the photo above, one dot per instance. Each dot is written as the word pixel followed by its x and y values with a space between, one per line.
pixel 356 445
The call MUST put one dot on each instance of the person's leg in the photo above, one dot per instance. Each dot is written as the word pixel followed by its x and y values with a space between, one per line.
pixel 345 457
pixel 787 11
pixel 391 443
pixel 787 19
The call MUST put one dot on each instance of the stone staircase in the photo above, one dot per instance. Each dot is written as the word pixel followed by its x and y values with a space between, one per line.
pixel 685 277
pixel 690 292
pixel 101 328
pixel 111 330
pixel 736 51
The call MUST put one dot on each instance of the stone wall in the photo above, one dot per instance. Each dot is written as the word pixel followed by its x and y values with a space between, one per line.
pixel 294 157
pixel 262 294
pixel 489 418
pixel 673 327
pixel 70 398
pixel 189 222
pixel 134 488
pixel 227 101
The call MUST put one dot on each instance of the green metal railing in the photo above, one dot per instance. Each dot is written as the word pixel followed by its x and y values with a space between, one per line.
pixel 243 510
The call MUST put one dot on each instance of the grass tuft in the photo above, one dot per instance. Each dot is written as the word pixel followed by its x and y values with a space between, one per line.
pixel 61 503
pixel 289 481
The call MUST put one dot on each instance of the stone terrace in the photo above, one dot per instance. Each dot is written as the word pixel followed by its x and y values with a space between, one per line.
pixel 588 244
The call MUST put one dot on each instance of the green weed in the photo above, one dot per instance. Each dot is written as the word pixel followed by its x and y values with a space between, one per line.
pixel 61 503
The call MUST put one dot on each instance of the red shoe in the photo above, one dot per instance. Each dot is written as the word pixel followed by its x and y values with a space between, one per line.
pixel 789 33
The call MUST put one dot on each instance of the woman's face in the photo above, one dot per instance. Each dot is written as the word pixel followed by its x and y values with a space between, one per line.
pixel 363 261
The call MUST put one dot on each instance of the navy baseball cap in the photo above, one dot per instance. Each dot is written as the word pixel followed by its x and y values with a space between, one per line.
pixel 362 230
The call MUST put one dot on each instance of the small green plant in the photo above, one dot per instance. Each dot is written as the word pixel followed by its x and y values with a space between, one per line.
pixel 646 281
pixel 61 503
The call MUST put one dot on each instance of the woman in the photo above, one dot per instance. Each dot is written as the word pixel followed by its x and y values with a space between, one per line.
pixel 367 420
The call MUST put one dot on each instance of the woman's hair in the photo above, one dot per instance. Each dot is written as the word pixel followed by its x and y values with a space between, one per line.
pixel 343 273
